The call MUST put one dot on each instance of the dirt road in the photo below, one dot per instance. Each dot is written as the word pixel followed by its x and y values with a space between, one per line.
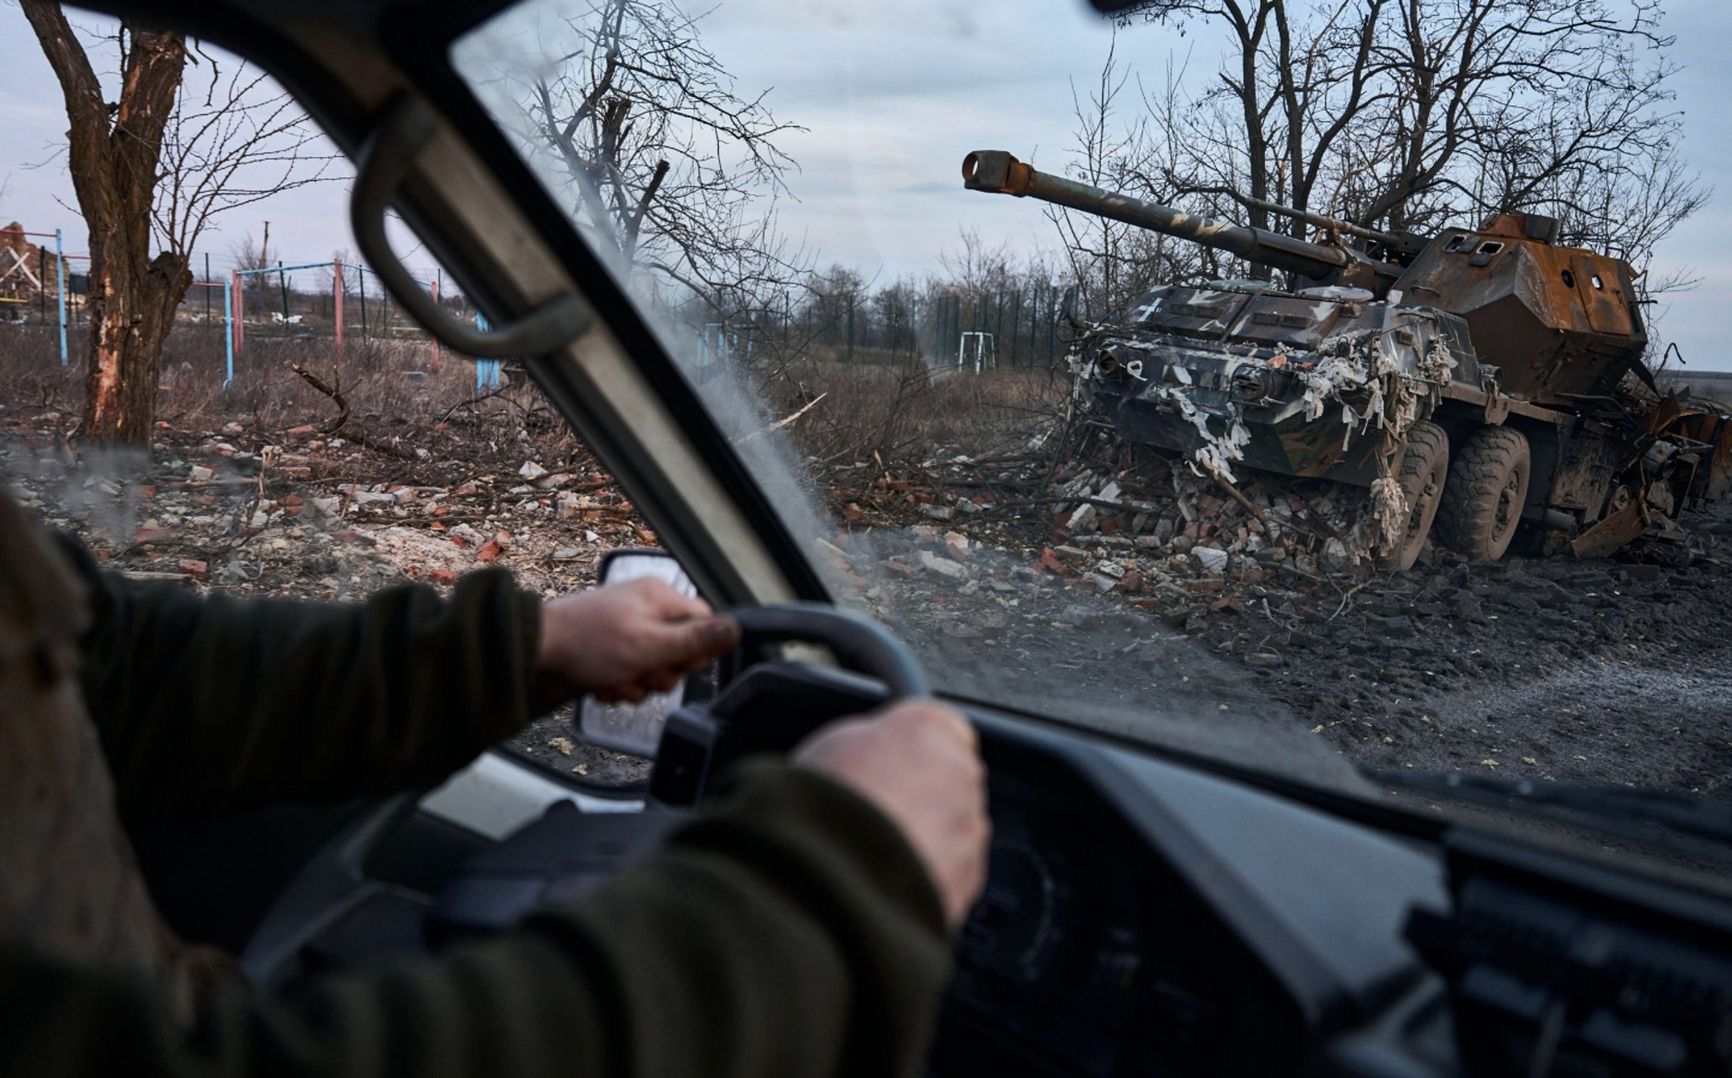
pixel 1603 671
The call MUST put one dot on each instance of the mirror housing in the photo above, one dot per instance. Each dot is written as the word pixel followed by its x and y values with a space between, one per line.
pixel 634 729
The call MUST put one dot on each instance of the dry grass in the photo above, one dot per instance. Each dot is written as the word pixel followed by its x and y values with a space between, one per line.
pixel 898 414
pixel 905 412
pixel 386 383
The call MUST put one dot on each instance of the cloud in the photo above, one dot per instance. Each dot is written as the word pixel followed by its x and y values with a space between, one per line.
pixel 893 94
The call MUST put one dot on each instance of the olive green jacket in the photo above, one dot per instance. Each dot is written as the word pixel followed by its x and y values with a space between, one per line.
pixel 789 930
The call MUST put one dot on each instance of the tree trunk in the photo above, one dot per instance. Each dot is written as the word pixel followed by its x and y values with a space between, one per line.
pixel 131 315
pixel 114 156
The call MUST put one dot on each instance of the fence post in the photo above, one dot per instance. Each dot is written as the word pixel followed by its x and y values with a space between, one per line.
pixel 337 300
pixel 238 314
pixel 433 286
pixel 60 278
pixel 229 328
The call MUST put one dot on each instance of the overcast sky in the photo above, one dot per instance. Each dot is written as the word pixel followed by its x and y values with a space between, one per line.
pixel 893 93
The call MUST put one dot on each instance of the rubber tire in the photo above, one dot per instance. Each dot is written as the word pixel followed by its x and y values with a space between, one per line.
pixel 1482 502
pixel 1423 476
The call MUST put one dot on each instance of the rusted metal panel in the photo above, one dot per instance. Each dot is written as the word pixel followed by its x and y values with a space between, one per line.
pixel 1585 474
pixel 1708 426
pixel 1620 528
pixel 1598 285
pixel 1535 310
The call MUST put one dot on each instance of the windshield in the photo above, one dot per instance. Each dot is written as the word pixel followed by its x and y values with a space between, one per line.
pixel 1313 492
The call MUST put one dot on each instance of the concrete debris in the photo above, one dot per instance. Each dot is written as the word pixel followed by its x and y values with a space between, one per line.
pixel 942 566
pixel 1212 560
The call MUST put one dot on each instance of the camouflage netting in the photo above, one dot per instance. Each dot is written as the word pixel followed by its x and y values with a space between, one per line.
pixel 1361 375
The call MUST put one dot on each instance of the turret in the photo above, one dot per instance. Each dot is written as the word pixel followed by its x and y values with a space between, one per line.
pixel 1323 263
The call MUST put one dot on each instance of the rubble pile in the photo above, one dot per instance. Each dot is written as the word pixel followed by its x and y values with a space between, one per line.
pixel 1158 536
pixel 1311 527
pixel 297 512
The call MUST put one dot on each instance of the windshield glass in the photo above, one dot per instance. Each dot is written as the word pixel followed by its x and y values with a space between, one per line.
pixel 1376 484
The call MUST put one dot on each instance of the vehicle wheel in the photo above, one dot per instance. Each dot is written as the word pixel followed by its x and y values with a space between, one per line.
pixel 1424 467
pixel 1482 502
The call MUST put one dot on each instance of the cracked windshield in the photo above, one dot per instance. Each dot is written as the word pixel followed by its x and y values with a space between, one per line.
pixel 1202 375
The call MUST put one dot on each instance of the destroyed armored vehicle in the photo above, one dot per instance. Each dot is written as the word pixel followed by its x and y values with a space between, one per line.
pixel 1479 380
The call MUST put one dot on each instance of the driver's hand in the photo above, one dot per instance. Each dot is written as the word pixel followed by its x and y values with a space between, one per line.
pixel 624 641
pixel 919 762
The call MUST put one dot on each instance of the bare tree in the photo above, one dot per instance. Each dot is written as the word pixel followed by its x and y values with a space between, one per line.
pixel 151 169
pixel 668 167
pixel 248 254
pixel 1112 262
pixel 1408 114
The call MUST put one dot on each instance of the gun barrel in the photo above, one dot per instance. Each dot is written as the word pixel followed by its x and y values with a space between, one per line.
pixel 999 172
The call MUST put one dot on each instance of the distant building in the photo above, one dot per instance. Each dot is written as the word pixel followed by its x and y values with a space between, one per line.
pixel 28 270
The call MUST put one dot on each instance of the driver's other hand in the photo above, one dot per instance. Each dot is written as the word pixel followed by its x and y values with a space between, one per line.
pixel 624 641
pixel 919 762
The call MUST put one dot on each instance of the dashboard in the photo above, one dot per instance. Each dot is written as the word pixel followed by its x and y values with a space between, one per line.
pixel 1084 956
pixel 1140 917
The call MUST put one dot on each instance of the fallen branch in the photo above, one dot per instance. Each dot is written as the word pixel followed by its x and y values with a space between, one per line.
pixel 786 421
pixel 472 401
pixel 1238 496
pixel 1074 499
pixel 359 437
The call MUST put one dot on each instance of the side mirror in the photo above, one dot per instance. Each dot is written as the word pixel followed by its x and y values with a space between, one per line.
pixel 634 729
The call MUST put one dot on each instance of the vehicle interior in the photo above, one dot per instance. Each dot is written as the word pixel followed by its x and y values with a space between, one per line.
pixel 1155 906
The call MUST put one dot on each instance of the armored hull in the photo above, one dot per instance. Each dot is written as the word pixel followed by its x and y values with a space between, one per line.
pixel 1318 384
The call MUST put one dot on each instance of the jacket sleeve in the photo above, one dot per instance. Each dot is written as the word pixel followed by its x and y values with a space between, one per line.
pixel 222 703
pixel 790 932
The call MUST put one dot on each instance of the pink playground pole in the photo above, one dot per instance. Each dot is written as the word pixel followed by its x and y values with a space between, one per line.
pixel 239 311
pixel 433 286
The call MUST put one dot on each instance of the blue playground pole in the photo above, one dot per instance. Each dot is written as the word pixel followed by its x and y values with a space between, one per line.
pixel 60 275
pixel 487 371
pixel 228 328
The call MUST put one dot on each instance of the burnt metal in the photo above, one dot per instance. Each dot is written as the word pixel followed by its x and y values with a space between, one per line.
pixel 1498 325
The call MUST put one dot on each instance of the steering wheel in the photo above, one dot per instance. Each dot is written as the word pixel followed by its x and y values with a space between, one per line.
pixel 698 742
pixel 858 643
